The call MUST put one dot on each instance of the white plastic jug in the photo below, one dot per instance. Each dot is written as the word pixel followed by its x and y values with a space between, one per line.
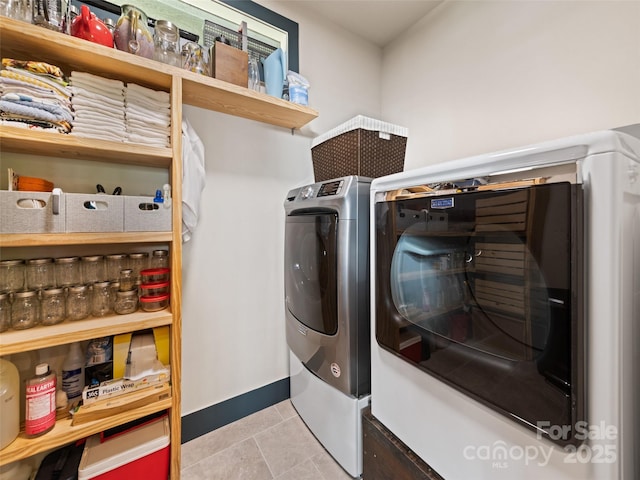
pixel 9 403
pixel 275 71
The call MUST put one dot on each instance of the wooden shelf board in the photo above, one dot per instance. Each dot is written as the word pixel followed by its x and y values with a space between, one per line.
pixel 54 144
pixel 64 433
pixel 55 239
pixel 213 94
pixel 29 42
pixel 15 341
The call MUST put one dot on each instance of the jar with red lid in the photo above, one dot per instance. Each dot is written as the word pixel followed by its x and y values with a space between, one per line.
pixel 153 275
pixel 154 289
pixel 155 303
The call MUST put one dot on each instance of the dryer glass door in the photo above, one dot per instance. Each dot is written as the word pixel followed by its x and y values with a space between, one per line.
pixel 310 270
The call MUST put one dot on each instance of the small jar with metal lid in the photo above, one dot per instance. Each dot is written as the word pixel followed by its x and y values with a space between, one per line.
pixel 53 305
pixel 40 273
pixel 92 269
pixel 115 263
pixel 78 302
pixel 126 302
pixel 11 275
pixel 67 271
pixel 25 310
pixel 5 312
pixel 101 299
pixel 159 259
pixel 126 281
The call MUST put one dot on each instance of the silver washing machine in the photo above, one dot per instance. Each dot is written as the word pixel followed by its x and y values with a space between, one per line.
pixel 327 311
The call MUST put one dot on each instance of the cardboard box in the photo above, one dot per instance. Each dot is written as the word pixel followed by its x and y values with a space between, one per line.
pixel 229 64
pixel 122 345
pixel 94 213
pixel 142 452
pixel 31 212
pixel 121 386
pixel 362 146
pixel 142 214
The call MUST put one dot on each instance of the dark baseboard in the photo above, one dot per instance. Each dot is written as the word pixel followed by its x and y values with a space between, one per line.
pixel 208 419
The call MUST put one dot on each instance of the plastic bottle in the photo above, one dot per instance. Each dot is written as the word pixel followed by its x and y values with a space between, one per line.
pixel 72 374
pixel 40 416
pixel 9 403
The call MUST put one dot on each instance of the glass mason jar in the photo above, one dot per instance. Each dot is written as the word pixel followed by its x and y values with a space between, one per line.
pixel 40 273
pixel 126 302
pixel 132 34
pixel 67 271
pixel 53 306
pixel 25 310
pixel 166 43
pixel 11 275
pixel 159 259
pixel 92 269
pixel 78 302
pixel 137 262
pixel 127 282
pixel 101 303
pixel 115 264
pixel 5 312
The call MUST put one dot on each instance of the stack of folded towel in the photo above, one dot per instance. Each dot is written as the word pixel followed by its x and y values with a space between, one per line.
pixel 98 103
pixel 34 95
pixel 148 116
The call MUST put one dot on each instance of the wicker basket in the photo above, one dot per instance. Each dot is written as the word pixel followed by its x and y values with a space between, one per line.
pixel 362 146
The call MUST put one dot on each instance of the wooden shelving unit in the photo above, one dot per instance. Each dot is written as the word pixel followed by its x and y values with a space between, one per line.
pixel 28 42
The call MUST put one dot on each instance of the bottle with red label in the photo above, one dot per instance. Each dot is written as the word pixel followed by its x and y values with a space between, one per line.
pixel 40 412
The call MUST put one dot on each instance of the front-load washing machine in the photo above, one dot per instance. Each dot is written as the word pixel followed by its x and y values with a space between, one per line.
pixel 327 311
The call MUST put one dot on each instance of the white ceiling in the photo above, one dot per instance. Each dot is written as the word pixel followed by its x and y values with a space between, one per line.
pixel 378 21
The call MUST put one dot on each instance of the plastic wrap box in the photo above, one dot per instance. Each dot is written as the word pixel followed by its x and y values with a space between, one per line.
pixel 362 146
pixel 94 213
pixel 142 214
pixel 142 452
pixel 31 212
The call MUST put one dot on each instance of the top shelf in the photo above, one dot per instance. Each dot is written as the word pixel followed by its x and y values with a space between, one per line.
pixel 24 41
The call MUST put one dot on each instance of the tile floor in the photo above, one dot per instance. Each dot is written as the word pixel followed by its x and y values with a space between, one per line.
pixel 273 443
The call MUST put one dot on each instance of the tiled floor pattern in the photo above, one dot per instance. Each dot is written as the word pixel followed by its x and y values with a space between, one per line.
pixel 272 444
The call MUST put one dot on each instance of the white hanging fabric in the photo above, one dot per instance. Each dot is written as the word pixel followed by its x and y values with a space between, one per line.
pixel 193 178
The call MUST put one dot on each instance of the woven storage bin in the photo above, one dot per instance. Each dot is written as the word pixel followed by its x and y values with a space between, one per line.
pixel 362 146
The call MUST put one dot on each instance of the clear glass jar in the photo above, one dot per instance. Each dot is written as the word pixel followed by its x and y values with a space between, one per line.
pixel 166 43
pixel 92 269
pixel 40 273
pixel 5 312
pixel 11 275
pixel 101 299
pixel 126 302
pixel 137 262
pixel 53 306
pixel 194 59
pixel 115 264
pixel 67 271
pixel 159 259
pixel 49 14
pixel 127 282
pixel 132 34
pixel 78 302
pixel 25 310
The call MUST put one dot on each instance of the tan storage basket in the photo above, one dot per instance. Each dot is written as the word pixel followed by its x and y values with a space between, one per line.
pixel 362 146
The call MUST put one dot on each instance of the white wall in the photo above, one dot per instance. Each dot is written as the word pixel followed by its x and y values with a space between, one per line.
pixel 474 77
pixel 233 292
